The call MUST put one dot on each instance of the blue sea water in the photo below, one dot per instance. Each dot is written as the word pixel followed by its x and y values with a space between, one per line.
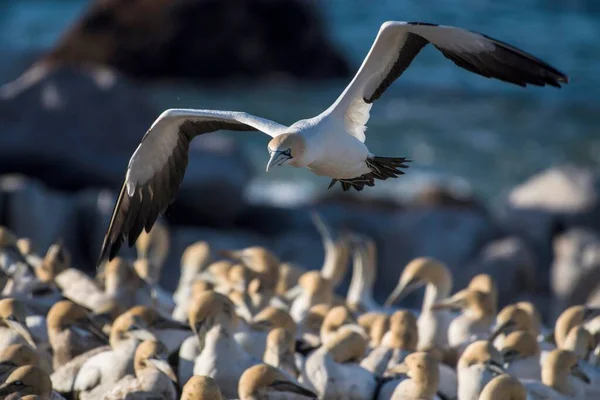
pixel 476 134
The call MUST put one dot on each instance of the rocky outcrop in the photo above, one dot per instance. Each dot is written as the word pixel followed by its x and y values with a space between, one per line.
pixel 77 128
pixel 203 40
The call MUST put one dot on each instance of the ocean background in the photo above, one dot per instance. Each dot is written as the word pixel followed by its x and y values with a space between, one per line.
pixel 476 135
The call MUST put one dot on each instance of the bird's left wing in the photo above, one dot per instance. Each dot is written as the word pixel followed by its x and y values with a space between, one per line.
pixel 158 165
pixel 398 43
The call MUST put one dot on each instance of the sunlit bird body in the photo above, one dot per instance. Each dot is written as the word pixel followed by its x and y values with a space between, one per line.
pixel 331 144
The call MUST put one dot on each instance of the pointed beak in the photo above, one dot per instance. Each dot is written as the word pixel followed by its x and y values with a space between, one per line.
pixel 494 367
pixel 502 329
pixel 164 367
pixel 277 158
pixel 401 291
pixel 452 303
pixel 579 373
pixel 22 330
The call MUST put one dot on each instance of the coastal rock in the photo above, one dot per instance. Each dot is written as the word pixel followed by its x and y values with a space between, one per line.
pixel 77 128
pixel 576 259
pixel 203 39
pixel 550 202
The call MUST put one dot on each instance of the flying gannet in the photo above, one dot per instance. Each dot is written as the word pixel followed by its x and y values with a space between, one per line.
pixel 331 144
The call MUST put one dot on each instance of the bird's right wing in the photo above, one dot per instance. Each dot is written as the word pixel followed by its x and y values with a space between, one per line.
pixel 158 165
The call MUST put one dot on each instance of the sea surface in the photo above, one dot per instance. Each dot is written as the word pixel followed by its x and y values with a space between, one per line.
pixel 472 133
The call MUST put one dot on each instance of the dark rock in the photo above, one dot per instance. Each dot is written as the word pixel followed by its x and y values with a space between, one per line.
pixel 202 39
pixel 77 128
pixel 574 270
pixel 549 203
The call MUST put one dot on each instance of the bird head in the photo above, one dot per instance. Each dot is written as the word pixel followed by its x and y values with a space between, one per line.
pixel 285 149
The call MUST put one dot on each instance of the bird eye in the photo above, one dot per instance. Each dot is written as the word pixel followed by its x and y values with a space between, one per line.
pixel 18 383
pixel 288 152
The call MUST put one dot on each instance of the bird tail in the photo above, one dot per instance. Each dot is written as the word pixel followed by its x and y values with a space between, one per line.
pixel 381 168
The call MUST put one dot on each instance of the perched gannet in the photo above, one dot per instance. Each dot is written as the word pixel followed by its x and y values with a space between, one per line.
pixel 423 378
pixel 153 375
pixel 433 325
pixel 337 318
pixel 364 274
pixel 512 318
pixel 521 353
pixel 153 246
pixel 102 370
pixel 504 387
pixel 485 283
pixel 13 328
pixel 337 252
pixel 289 273
pixel 201 388
pixel 214 321
pixel 333 369
pixel 561 378
pixel 475 320
pixel 15 356
pixel 279 352
pixel 262 262
pixel 180 313
pixel 28 380
pixel 330 144
pixel 253 335
pixel 195 258
pixel 570 318
pixel 478 364
pixel 313 289
pixel 56 260
pixel 71 332
pixel 263 381
pixel 582 343
pixel 399 341
pixel 375 324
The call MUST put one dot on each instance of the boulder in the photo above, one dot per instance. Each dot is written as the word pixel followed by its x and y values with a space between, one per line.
pixel 77 128
pixel 576 263
pixel 203 39
pixel 549 203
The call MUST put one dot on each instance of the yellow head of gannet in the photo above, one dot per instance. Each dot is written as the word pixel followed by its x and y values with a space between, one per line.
pixel 134 323
pixel 14 356
pixel 26 380
pixel 485 283
pixel 211 309
pixel 286 149
pixel 477 304
pixel 154 246
pixel 375 325
pixel 13 314
pixel 533 312
pixel 580 341
pixel 422 271
pixel 403 333
pixel 512 318
pixel 519 344
pixel 279 351
pixel 423 371
pixel 119 272
pixel 289 274
pixel 571 317
pixel 558 366
pixel 57 259
pixel 196 256
pixel 65 313
pixel 153 354
pixel 263 381
pixel 201 388
pixel 25 246
pixel 484 353
pixel 261 261
pixel 336 318
pixel 504 387
pixel 347 345
pixel 273 317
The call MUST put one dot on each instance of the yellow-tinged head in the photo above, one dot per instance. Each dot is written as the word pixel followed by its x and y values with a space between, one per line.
pixel 287 148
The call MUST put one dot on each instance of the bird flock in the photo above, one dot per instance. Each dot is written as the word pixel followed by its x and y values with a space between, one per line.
pixel 242 324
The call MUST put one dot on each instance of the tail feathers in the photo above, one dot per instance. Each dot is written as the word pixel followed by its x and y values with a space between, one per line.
pixel 381 168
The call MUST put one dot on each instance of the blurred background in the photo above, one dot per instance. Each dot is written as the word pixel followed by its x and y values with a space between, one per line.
pixel 503 179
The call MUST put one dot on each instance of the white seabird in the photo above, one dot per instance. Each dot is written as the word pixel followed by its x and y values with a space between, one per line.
pixel 330 144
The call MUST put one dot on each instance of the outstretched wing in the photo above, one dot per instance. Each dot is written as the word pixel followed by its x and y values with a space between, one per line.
pixel 158 165
pixel 398 43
